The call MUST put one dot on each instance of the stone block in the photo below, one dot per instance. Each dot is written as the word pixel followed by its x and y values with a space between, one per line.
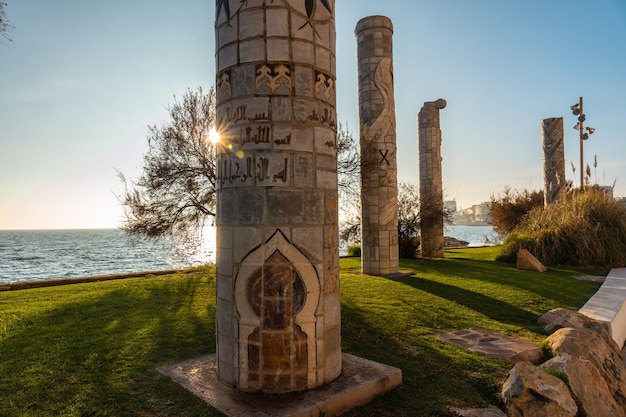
pixel 285 207
pixel 277 22
pixel 252 51
pixel 251 206
pixel 527 262
pixel 587 385
pixel 537 393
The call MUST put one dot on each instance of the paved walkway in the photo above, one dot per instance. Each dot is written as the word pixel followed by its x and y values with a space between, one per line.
pixel 494 345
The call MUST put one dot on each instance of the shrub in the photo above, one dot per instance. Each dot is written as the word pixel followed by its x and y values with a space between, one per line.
pixel 585 229
pixel 408 247
pixel 354 250
pixel 509 208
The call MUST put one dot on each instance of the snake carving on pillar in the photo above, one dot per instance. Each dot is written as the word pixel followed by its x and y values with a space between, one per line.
pixel 384 82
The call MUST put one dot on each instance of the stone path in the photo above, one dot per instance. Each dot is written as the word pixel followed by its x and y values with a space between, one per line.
pixel 494 345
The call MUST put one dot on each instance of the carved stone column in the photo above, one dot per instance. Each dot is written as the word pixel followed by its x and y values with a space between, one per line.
pixel 554 184
pixel 278 311
pixel 431 183
pixel 377 119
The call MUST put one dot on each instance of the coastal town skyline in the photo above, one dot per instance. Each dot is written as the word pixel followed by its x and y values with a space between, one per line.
pixel 81 83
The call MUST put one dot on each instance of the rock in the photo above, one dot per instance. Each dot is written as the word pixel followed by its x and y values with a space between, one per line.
pixel 560 318
pixel 587 385
pixel 531 392
pixel 527 262
pixel 552 315
pixel 452 242
pixel 586 344
pixel 477 412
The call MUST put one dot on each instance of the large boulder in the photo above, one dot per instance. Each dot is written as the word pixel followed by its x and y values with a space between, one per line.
pixel 527 262
pixel 560 318
pixel 587 385
pixel 530 391
pixel 604 354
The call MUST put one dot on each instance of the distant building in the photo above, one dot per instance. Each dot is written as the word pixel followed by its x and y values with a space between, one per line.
pixel 477 214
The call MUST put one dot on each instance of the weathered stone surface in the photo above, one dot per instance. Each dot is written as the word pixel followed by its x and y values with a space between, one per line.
pixel 604 354
pixel 278 309
pixel 530 391
pixel 527 262
pixel 477 412
pixel 379 169
pixel 360 381
pixel 587 385
pixel 554 183
pixel 431 185
pixel 561 318
pixel 494 345
pixel 551 316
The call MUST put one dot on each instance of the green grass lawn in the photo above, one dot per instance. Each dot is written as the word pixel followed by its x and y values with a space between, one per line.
pixel 92 349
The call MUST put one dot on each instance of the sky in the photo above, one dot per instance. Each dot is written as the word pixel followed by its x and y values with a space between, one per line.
pixel 81 82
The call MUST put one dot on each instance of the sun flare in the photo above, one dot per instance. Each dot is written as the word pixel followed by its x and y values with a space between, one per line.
pixel 214 136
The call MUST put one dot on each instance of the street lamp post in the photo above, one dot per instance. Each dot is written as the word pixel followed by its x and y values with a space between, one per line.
pixel 577 110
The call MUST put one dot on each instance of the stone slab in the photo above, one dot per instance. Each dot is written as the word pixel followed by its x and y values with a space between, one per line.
pixel 494 345
pixel 608 304
pixel 360 381
pixel 403 273
pixel 477 412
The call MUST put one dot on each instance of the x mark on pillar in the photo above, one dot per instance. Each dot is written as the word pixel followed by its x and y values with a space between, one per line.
pixel 384 157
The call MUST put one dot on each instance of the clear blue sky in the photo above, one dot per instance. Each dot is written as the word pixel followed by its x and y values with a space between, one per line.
pixel 82 80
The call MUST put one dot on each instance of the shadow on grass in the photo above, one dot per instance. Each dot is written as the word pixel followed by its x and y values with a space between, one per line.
pixel 96 355
pixel 495 309
pixel 435 375
pixel 556 284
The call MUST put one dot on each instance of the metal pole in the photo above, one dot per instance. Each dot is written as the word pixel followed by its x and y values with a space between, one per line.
pixel 580 131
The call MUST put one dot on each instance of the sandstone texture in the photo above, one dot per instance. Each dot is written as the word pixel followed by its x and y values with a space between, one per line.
pixel 530 391
pixel 587 385
pixel 527 262
pixel 585 378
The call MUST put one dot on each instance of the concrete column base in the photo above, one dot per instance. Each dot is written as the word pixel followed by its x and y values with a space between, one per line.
pixel 360 381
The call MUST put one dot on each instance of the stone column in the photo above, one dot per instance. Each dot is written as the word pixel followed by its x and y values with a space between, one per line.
pixel 278 311
pixel 554 184
pixel 431 185
pixel 377 119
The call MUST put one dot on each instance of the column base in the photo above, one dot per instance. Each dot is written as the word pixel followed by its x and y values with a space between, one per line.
pixel 360 381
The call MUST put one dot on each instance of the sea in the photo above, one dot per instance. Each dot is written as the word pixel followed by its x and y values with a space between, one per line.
pixel 27 255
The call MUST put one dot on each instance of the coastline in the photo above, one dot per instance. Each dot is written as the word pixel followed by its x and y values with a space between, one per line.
pixel 53 282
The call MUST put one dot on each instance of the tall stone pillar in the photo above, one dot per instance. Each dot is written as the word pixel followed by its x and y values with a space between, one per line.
pixel 554 184
pixel 278 311
pixel 377 117
pixel 431 183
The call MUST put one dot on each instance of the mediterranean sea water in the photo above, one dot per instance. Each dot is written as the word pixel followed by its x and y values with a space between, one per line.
pixel 43 254
pixel 474 235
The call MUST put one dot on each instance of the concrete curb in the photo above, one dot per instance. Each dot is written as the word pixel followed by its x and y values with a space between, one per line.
pixel 608 305
pixel 24 285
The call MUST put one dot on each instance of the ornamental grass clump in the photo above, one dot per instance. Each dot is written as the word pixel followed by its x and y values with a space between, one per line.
pixel 585 229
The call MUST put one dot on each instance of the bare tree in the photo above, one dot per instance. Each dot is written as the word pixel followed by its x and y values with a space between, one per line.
pixel 349 184
pixel 175 195
pixel 5 25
